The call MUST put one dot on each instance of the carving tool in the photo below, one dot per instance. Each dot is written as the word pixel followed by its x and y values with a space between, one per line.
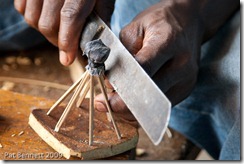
pixel 142 96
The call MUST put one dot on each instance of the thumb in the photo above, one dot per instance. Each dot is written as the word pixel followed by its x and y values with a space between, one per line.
pixel 115 101
pixel 117 105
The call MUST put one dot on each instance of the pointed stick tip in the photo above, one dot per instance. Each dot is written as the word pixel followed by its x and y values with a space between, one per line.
pixel 56 129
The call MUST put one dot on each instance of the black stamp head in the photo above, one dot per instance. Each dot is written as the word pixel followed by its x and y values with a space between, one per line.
pixel 96 51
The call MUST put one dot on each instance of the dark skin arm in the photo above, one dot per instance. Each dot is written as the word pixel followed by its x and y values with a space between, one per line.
pixel 166 40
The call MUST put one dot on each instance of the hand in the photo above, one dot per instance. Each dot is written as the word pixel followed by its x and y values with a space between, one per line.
pixel 61 21
pixel 165 39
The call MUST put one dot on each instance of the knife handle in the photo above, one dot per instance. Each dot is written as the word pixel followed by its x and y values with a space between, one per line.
pixel 91 31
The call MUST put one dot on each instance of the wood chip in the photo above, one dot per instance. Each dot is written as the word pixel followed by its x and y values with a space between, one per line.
pixel 13 135
pixel 7 86
pixel 23 61
pixel 38 61
pixel 46 89
pixel 14 66
pixel 168 132
pixel 1 146
pixel 20 133
pixel 108 117
pixel 140 152
pixel 10 60
pixel 6 67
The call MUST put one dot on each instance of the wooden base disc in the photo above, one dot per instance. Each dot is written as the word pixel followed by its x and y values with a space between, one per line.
pixel 72 138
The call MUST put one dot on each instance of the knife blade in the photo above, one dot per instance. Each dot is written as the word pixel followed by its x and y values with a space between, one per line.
pixel 142 96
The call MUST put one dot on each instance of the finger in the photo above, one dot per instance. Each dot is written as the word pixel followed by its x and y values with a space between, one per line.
pixel 73 16
pixel 117 105
pixel 151 45
pixel 156 50
pixel 20 6
pixel 49 20
pixel 33 12
pixel 105 8
pixel 132 37
pixel 143 46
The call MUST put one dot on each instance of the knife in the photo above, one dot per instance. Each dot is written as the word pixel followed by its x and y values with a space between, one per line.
pixel 142 96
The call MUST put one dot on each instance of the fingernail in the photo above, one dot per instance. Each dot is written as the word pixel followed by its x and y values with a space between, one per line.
pixel 100 106
pixel 63 58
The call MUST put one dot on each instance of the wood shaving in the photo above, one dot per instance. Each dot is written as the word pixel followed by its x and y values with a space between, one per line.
pixel 34 82
pixel 20 133
pixel 140 152
pixel 7 86
pixel 1 146
pixel 168 132
pixel 108 117
pixel 46 89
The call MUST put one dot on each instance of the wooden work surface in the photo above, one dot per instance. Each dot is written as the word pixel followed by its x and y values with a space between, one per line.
pixel 41 64
pixel 17 139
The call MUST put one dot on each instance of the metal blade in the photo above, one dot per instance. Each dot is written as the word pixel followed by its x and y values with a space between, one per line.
pixel 142 96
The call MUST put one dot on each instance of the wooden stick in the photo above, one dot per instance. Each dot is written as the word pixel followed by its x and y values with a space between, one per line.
pixel 34 82
pixel 101 83
pixel 71 103
pixel 83 94
pixel 168 132
pixel 60 100
pixel 91 110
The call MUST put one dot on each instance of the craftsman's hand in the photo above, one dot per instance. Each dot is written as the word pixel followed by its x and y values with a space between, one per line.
pixel 61 21
pixel 165 39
